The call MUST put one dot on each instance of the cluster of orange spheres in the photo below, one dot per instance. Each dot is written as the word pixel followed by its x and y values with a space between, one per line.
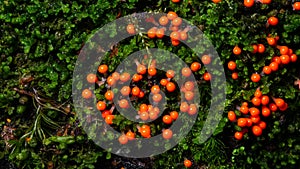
pixel 170 22
pixel 145 111
pixel 250 3
pixel 286 56
pixel 252 117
